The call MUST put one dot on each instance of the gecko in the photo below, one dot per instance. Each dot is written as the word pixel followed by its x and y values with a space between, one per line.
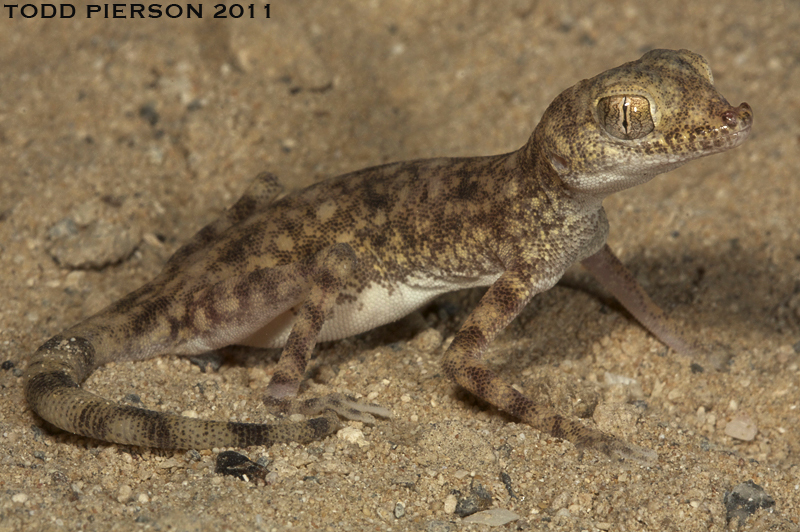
pixel 356 251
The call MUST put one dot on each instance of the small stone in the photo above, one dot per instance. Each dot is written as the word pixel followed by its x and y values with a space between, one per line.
pixel 742 427
pixel 399 510
pixel 193 456
pixel 132 399
pixel 170 463
pixel 74 279
pixel 493 517
pixel 450 503
pixel 124 493
pixel 352 435
pixel 696 368
pixel 383 514
pixel 674 394
pixel 19 497
pixel 95 246
pixel 440 526
pixel 427 341
pixel 612 379
pixel 59 477
pixel 478 500
pixel 564 513
pixel 238 465
pixel 743 501
pixel 784 354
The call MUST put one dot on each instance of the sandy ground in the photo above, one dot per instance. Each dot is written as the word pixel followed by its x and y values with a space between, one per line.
pixel 120 138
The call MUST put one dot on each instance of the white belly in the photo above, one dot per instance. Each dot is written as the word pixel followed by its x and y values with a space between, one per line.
pixel 376 305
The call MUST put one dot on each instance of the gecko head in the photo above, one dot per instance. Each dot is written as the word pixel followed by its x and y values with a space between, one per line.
pixel 631 123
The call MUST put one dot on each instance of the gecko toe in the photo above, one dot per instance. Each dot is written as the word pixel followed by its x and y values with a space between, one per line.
pixel 344 406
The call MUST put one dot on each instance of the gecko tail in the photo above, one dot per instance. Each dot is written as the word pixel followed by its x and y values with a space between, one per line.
pixel 52 390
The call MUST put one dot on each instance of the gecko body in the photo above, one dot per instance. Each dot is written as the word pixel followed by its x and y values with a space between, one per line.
pixel 366 248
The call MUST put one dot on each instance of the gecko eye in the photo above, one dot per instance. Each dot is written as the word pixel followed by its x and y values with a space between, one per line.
pixel 626 117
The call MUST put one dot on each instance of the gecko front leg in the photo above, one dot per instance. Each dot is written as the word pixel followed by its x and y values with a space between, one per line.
pixel 617 279
pixel 463 363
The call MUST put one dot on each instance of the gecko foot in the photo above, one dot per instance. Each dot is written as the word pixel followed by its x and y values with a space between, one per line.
pixel 628 452
pixel 345 406
pixel 584 437
pixel 613 448
pixel 715 356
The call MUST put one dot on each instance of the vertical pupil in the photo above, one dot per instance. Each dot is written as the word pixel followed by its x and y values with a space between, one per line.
pixel 625 106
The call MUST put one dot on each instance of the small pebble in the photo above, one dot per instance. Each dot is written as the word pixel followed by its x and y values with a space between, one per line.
pixel 237 465
pixel 743 501
pixel 450 504
pixel 741 427
pixel 479 499
pixel 352 435
pixel 493 517
pixel 124 493
pixel 440 526
pixel 427 341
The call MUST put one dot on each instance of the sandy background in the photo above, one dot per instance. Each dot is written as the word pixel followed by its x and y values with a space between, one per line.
pixel 120 138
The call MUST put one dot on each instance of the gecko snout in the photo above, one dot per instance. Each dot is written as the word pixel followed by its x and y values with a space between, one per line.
pixel 741 116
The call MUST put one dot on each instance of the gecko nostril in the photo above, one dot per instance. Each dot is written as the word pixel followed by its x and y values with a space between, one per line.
pixel 746 113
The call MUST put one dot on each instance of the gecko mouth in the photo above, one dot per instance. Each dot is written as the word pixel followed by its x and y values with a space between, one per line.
pixel 742 134
pixel 737 123
pixel 732 139
pixel 722 142
pixel 714 141
pixel 741 130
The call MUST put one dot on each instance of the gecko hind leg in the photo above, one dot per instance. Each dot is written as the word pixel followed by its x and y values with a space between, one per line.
pixel 331 272
pixel 259 195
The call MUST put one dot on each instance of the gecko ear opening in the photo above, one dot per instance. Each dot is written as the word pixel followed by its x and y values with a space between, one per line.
pixel 560 164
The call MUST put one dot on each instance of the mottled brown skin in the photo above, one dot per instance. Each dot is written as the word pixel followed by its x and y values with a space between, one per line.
pixel 363 249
